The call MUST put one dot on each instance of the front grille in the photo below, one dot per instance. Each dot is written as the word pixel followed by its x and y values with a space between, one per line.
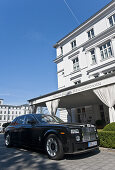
pixel 88 134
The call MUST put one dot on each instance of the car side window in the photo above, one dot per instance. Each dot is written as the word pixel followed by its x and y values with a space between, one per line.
pixel 20 120
pixel 29 118
pixel 14 122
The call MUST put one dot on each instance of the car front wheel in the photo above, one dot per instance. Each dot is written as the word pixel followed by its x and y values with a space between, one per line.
pixel 8 140
pixel 54 147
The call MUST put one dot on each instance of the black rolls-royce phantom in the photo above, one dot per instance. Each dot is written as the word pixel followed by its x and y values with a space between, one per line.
pixel 51 134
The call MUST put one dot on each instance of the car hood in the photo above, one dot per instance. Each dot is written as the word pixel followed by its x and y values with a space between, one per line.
pixel 65 124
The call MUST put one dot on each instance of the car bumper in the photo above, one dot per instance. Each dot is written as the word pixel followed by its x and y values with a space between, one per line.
pixel 81 147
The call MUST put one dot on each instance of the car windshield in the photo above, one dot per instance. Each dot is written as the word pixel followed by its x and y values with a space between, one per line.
pixel 48 119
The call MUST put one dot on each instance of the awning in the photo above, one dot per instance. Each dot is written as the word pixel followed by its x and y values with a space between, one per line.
pixel 74 96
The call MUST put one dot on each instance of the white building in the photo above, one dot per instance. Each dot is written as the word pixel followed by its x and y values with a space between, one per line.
pixel 86 61
pixel 9 112
pixel 87 52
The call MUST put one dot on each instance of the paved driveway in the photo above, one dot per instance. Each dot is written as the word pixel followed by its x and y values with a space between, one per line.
pixel 23 159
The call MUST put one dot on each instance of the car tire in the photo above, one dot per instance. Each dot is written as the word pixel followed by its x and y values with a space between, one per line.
pixel 8 140
pixel 54 147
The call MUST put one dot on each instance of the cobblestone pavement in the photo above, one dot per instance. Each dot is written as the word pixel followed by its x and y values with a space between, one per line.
pixel 24 159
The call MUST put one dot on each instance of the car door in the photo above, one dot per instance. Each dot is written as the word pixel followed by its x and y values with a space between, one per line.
pixel 16 136
pixel 30 131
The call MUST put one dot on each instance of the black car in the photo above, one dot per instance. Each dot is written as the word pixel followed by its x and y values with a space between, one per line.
pixel 51 134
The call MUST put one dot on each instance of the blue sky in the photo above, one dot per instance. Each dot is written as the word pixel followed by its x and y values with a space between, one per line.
pixel 28 31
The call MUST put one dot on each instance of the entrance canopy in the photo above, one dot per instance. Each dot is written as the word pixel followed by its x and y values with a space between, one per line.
pixel 75 96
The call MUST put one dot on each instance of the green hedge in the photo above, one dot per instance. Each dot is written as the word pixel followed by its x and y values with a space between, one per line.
pixel 107 138
pixel 109 127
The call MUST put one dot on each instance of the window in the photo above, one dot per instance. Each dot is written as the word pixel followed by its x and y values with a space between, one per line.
pixel 14 122
pixel 61 48
pixel 79 110
pixel 106 50
pixel 73 44
pixel 42 118
pixel 101 107
pixel 78 82
pixel 76 64
pixel 112 20
pixel 20 120
pixel 8 117
pixel 90 33
pixel 0 117
pixel 83 110
pixel 93 57
pixel 29 118
pixel 4 112
pixel 5 117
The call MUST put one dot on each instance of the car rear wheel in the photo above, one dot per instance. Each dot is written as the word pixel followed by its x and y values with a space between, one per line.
pixel 54 147
pixel 8 140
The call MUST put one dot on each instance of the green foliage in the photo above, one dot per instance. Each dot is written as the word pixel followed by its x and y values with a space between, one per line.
pixel 109 127
pixel 107 138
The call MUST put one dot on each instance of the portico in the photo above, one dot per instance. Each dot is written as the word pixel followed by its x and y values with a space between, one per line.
pixel 84 94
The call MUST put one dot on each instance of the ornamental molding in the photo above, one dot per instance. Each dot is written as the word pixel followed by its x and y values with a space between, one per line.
pixel 101 66
pixel 99 39
pixel 75 77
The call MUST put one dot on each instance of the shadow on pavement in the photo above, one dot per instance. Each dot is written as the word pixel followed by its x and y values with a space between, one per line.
pixel 23 159
pixel 82 155
pixel 27 159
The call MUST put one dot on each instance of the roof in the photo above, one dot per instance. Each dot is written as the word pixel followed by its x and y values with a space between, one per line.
pixel 25 105
pixel 83 24
pixel 74 86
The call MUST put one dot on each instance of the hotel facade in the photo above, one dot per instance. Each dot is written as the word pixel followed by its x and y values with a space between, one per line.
pixel 10 112
pixel 86 72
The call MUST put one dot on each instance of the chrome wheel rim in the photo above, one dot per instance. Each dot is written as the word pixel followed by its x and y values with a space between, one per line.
pixel 7 140
pixel 51 147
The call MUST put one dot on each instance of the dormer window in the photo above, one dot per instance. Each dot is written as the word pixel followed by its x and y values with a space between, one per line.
pixel 90 33
pixel 76 64
pixel 112 20
pixel 73 44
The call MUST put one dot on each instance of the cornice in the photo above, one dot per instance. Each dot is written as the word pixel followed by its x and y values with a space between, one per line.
pixel 60 71
pixel 99 37
pixel 75 77
pixel 71 56
pixel 58 59
pixel 101 66
pixel 109 32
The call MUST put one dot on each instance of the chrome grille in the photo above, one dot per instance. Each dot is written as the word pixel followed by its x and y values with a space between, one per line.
pixel 88 134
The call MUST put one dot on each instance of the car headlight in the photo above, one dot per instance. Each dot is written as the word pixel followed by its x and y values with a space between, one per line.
pixel 96 135
pixel 74 131
pixel 77 138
